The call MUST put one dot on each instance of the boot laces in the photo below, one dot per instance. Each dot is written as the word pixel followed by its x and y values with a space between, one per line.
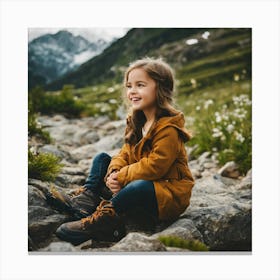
pixel 104 208
pixel 77 191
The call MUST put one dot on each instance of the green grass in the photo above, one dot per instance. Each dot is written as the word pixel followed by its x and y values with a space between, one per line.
pixel 219 124
pixel 174 241
pixel 43 166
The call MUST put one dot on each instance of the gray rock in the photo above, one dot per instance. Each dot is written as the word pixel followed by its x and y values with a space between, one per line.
pixel 230 169
pixel 85 136
pixel 109 142
pixel 138 242
pixel 183 228
pixel 63 134
pixel 37 213
pixel 57 120
pixel 84 152
pixel 225 227
pixel 72 170
pixel 36 197
pixel 246 182
pixel 70 176
pixel 113 125
pixel 65 180
pixel 209 165
pixel 85 165
pixel 101 120
pixel 176 249
pixel 59 247
pixel 42 219
pixel 222 214
pixel 205 157
pixel 40 228
pixel 52 149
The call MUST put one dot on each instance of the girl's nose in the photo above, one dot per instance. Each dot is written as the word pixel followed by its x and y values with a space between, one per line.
pixel 132 90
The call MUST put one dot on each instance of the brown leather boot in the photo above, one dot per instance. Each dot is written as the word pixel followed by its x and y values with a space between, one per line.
pixel 79 203
pixel 103 225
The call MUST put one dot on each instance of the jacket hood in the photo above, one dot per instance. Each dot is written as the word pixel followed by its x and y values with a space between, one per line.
pixel 177 121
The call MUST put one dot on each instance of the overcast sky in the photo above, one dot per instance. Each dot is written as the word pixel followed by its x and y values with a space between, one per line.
pixel 88 33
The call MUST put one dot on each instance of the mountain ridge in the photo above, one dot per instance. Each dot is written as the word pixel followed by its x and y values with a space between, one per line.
pixel 52 55
pixel 180 47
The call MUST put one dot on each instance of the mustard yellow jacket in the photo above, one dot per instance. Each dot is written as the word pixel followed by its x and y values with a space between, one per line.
pixel 161 157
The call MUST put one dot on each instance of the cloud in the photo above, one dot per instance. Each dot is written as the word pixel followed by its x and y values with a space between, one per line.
pixel 89 33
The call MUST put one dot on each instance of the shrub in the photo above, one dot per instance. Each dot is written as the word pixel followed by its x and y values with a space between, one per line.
pixel 174 241
pixel 63 102
pixel 226 131
pixel 43 166
pixel 34 128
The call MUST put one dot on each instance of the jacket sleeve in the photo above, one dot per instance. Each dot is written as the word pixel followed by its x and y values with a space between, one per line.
pixel 164 152
pixel 118 161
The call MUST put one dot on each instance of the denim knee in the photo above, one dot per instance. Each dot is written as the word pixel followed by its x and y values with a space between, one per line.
pixel 98 171
pixel 136 185
pixel 138 193
pixel 102 156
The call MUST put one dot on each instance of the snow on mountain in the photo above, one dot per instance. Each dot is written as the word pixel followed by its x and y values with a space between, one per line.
pixel 52 55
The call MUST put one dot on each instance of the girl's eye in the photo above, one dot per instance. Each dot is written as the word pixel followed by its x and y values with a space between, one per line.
pixel 128 86
pixel 140 85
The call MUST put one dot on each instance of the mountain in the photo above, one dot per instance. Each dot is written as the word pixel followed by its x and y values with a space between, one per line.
pixel 52 55
pixel 190 51
pixel 136 43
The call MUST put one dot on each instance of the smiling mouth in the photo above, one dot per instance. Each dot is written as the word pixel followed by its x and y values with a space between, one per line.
pixel 134 99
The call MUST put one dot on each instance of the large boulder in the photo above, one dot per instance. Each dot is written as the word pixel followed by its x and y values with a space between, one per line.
pixel 182 228
pixel 138 242
pixel 221 211
pixel 42 219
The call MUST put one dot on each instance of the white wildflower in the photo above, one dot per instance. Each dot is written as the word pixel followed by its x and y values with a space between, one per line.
pixel 225 117
pixel 218 117
pixel 197 108
pixel 191 41
pixel 236 77
pixel 207 103
pixel 230 128
pixel 217 132
pixel 205 35
pixel 39 125
pixel 193 82
pixel 239 113
pixel 111 89
pixel 239 137
pixel 113 101
pixel 33 150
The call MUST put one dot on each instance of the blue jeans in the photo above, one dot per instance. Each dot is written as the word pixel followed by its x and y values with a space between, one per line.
pixel 138 194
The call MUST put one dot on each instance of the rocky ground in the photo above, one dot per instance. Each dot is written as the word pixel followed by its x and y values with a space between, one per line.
pixel 219 214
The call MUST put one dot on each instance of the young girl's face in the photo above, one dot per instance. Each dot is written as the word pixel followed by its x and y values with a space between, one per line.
pixel 141 90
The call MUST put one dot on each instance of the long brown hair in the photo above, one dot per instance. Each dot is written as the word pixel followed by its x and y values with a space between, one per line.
pixel 163 75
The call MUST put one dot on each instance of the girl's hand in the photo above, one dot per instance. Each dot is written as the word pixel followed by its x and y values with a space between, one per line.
pixel 112 182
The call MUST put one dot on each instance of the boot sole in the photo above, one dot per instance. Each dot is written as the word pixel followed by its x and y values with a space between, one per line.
pixel 64 235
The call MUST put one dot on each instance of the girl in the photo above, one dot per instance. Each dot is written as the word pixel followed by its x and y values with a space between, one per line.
pixel 151 170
